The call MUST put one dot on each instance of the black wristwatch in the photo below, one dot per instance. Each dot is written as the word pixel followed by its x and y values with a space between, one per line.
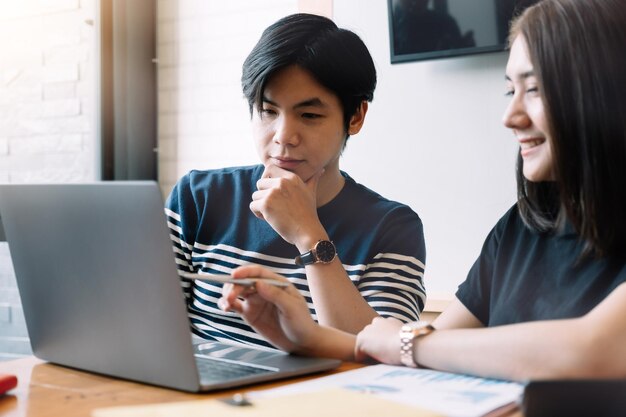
pixel 323 252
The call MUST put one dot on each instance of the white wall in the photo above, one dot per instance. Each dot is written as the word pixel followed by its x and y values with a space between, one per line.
pixel 433 139
pixel 47 99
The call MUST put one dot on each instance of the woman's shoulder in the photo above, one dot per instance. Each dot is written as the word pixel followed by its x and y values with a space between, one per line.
pixel 509 228
pixel 512 221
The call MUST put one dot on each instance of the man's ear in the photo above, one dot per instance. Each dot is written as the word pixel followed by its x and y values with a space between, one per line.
pixel 357 119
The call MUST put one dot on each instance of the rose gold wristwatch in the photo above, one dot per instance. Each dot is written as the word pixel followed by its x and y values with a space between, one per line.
pixel 409 333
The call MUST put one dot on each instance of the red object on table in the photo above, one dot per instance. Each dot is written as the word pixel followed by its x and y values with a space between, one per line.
pixel 7 382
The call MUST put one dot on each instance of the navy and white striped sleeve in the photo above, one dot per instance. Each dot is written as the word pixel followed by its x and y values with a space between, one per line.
pixel 180 205
pixel 393 281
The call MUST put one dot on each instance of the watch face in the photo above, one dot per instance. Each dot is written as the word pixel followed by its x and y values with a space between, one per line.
pixel 325 251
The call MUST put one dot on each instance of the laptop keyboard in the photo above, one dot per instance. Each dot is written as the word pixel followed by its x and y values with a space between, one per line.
pixel 218 370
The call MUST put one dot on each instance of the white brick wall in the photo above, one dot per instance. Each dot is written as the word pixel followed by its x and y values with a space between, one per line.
pixel 203 117
pixel 47 73
pixel 47 132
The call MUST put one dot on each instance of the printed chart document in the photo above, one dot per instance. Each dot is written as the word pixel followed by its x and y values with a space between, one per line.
pixel 445 393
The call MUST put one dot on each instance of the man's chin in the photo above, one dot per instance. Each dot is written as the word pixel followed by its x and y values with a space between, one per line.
pixel 304 176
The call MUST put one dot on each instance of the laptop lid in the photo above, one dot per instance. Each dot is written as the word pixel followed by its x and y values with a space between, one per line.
pixel 99 285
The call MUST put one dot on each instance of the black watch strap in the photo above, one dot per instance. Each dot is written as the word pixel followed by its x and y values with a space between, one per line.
pixel 324 252
pixel 306 258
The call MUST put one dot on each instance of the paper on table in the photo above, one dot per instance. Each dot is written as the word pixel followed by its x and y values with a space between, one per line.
pixel 333 402
pixel 449 394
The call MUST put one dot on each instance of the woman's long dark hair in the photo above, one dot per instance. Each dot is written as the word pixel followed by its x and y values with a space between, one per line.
pixel 577 48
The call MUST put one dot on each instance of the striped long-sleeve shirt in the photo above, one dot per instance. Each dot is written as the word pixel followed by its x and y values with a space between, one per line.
pixel 380 244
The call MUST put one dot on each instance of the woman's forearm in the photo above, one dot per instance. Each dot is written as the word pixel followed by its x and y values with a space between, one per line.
pixel 535 350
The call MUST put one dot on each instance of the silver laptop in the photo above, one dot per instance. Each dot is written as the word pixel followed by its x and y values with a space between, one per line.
pixel 100 290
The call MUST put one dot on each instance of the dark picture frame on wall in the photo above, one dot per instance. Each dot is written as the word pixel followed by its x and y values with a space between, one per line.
pixel 432 29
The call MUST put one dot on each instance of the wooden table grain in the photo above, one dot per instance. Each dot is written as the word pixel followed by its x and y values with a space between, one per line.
pixel 47 390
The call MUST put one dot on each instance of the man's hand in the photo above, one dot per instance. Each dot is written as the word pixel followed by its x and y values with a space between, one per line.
pixel 288 204
pixel 281 315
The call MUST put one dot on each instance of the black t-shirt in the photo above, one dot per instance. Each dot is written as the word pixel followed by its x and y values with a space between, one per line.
pixel 522 276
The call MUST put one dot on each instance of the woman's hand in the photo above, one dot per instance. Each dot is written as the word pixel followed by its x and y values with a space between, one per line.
pixel 281 315
pixel 380 340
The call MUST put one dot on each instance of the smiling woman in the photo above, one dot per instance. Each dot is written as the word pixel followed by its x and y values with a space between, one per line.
pixel 525 115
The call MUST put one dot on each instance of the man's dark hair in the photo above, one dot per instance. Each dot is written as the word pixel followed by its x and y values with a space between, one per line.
pixel 577 50
pixel 337 58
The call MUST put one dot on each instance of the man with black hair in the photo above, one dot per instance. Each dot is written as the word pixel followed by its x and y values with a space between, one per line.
pixel 308 84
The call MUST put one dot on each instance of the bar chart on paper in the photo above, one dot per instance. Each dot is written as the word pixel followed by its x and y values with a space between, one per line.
pixel 446 393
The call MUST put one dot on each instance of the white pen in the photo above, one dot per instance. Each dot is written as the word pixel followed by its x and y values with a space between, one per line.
pixel 223 279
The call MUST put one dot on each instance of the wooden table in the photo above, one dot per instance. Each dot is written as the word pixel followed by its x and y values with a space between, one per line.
pixel 50 390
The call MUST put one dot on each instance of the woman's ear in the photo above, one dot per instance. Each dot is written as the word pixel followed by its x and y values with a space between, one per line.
pixel 356 121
